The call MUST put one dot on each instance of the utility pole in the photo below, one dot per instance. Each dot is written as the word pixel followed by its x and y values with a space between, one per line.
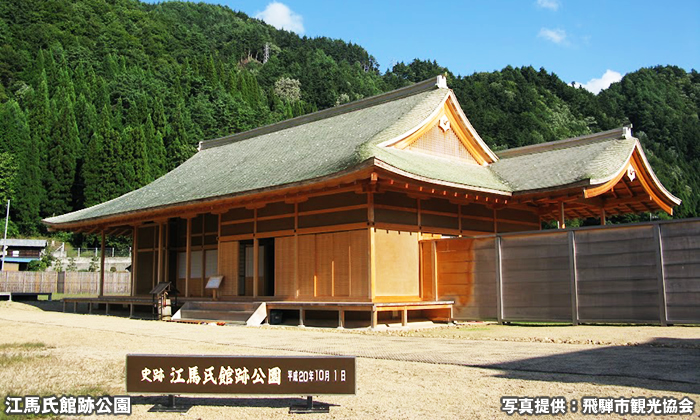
pixel 4 241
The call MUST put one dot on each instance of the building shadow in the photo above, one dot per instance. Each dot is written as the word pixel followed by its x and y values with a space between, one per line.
pixel 653 365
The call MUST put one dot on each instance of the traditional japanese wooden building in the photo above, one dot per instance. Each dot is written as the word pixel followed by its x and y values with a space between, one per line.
pixel 326 211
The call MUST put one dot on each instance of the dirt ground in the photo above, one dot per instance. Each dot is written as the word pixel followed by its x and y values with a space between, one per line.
pixel 52 353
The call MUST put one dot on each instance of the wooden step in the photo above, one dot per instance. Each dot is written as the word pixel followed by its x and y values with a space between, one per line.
pixel 247 313
pixel 216 315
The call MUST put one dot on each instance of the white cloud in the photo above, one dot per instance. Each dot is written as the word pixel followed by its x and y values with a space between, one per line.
pixel 281 16
pixel 557 36
pixel 596 85
pixel 549 4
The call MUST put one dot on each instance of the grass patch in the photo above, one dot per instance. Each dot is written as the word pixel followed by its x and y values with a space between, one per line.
pixel 31 345
pixel 59 296
pixel 12 359
pixel 92 390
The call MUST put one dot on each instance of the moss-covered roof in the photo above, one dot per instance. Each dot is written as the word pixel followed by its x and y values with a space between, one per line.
pixel 586 160
pixel 337 140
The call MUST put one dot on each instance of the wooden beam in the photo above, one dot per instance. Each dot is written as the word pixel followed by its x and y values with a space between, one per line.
pixel 626 187
pixel 330 185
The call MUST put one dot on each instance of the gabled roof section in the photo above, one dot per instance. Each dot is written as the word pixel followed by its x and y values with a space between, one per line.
pixel 294 152
pixel 446 132
pixel 595 163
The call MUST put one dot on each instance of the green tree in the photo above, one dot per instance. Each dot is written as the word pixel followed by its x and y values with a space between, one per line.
pixel 15 139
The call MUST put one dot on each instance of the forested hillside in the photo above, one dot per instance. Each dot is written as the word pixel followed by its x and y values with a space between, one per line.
pixel 99 97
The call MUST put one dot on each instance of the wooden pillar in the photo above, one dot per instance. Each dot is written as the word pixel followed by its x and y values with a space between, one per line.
pixel 134 260
pixel 296 249
pixel 372 263
pixel 433 254
pixel 495 220
pixel 372 251
pixel 420 221
pixel 102 264
pixel 160 253
pixel 154 260
pixel 459 219
pixel 562 224
pixel 602 216
pixel 341 318
pixel 404 317
pixel 421 265
pixel 166 268
pixel 256 268
pixel 188 256
pixel 256 254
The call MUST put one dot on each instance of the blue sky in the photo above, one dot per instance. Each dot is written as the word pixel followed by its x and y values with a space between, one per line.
pixel 578 40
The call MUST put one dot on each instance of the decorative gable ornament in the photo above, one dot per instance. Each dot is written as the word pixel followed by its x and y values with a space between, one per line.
pixel 631 173
pixel 444 123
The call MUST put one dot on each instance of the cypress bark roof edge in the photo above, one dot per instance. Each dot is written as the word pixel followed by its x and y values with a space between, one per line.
pixel 426 85
pixel 615 133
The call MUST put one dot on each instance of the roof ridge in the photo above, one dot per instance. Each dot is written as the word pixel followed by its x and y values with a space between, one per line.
pixel 414 89
pixel 616 133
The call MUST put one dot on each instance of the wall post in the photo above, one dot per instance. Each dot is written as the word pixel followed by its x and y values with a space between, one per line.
pixel 661 275
pixel 499 281
pixel 101 291
pixel 574 277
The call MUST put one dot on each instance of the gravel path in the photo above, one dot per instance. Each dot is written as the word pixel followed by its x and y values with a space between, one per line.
pixel 398 376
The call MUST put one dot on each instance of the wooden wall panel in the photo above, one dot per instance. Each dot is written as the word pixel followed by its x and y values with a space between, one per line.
pixel 617 274
pixel 284 266
pixel 333 265
pixel 681 253
pixel 147 237
pixel 330 201
pixel 427 270
pixel 397 259
pixel 455 263
pixel 307 265
pixel 341 264
pixel 536 277
pixel 359 263
pixel 144 271
pixel 333 219
pixel 324 264
pixel 228 267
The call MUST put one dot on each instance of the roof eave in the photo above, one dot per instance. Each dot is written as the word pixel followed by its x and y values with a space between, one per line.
pixel 172 210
